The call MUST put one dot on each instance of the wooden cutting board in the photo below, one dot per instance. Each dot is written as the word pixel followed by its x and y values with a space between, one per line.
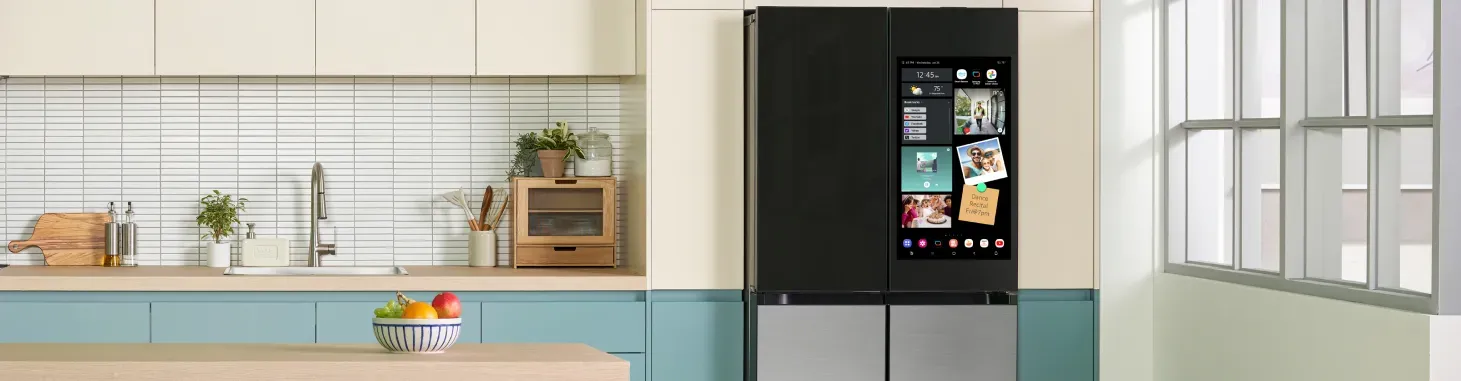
pixel 69 239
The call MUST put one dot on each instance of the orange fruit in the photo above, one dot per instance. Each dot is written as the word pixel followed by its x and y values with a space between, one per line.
pixel 419 310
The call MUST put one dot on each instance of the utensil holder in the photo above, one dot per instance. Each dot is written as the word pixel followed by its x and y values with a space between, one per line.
pixel 482 248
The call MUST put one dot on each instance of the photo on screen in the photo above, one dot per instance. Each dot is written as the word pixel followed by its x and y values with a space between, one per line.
pixel 979 112
pixel 926 169
pixel 926 211
pixel 982 161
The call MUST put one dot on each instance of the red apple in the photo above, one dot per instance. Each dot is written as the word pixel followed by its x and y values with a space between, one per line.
pixel 447 306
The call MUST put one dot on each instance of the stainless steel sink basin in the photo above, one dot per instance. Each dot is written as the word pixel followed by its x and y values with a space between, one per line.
pixel 315 271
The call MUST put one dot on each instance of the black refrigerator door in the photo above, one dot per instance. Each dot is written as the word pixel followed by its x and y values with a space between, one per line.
pixel 818 88
pixel 963 32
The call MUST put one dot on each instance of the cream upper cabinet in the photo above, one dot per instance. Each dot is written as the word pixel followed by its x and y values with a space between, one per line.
pixel 555 37
pixel 1057 68
pixel 76 37
pixel 395 37
pixel 235 37
pixel 697 149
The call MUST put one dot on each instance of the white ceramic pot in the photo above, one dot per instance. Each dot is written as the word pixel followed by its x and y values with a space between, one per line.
pixel 218 253
pixel 482 248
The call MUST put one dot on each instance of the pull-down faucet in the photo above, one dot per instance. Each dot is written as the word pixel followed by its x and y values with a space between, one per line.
pixel 317 213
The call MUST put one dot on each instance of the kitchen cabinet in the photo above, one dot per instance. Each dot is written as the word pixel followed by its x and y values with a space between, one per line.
pixel 608 326
pixel 73 322
pixel 76 37
pixel 637 371
pixel 233 322
pixel 235 37
pixel 696 90
pixel 556 37
pixel 341 322
pixel 1057 340
pixel 396 37
pixel 698 340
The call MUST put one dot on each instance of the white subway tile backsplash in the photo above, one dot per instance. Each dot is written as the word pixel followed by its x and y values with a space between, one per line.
pixel 390 146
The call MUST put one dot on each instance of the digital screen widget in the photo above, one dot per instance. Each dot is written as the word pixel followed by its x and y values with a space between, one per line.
pixel 956 140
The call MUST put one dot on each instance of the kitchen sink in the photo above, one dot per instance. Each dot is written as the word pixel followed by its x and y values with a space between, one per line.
pixel 315 271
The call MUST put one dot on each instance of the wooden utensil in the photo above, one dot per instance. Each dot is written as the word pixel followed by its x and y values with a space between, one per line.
pixel 68 239
pixel 486 204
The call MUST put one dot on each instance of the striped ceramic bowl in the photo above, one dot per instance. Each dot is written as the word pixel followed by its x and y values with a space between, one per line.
pixel 417 335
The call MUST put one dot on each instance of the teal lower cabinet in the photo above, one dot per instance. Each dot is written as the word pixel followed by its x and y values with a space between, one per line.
pixel 616 327
pixel 697 335
pixel 340 322
pixel 233 322
pixel 637 370
pixel 73 322
pixel 1057 339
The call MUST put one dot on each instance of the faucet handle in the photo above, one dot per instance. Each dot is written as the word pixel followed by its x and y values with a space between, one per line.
pixel 326 249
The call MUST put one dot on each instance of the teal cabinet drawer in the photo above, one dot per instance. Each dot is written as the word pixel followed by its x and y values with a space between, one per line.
pixel 607 326
pixel 697 341
pixel 637 372
pixel 349 322
pixel 1057 341
pixel 73 322
pixel 235 322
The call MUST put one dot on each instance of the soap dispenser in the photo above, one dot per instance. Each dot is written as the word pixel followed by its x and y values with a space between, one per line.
pixel 263 251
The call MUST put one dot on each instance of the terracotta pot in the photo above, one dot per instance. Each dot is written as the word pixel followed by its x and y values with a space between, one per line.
pixel 552 162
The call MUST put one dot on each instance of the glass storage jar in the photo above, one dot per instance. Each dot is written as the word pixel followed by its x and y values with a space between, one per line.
pixel 598 153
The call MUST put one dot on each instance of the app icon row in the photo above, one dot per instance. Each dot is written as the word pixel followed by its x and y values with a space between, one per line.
pixel 952 244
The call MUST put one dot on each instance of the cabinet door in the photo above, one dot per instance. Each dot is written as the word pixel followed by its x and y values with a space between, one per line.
pixel 606 326
pixel 798 343
pixel 697 93
pixel 952 343
pixel 700 341
pixel 555 37
pixel 76 37
pixel 235 37
pixel 564 211
pixel 236 322
pixel 1058 341
pixel 58 322
pixel 349 322
pixel 395 37
pixel 636 365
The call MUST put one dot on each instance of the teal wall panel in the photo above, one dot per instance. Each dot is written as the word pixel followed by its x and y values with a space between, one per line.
pixel 246 322
pixel 1057 340
pixel 52 322
pixel 607 326
pixel 697 341
pixel 638 370
pixel 349 322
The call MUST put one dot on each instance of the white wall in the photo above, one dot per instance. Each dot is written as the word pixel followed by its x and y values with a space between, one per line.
pixel 1214 331
pixel 389 146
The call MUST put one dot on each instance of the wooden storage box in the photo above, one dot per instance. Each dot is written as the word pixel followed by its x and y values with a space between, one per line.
pixel 566 221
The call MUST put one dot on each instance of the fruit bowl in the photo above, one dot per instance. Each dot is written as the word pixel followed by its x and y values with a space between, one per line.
pixel 417 335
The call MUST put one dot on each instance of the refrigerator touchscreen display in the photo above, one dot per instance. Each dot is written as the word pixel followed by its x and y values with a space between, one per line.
pixel 956 152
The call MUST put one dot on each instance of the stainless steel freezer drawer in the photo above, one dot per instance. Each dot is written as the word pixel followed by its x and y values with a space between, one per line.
pixel 814 343
pixel 948 343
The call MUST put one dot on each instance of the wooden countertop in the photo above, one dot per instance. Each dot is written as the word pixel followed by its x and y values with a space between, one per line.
pixel 421 278
pixel 538 362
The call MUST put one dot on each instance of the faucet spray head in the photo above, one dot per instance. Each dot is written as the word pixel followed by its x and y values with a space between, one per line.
pixel 317 184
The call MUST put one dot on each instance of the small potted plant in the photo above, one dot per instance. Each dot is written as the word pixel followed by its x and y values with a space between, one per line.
pixel 557 146
pixel 219 215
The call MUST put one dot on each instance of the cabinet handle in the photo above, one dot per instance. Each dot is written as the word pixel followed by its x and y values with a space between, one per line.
pixel 565 248
pixel 565 181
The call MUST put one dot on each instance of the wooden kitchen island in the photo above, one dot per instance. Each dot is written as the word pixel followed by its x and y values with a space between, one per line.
pixel 464 361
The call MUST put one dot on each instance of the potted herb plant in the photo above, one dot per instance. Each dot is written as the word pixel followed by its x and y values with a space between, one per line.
pixel 526 157
pixel 219 215
pixel 557 146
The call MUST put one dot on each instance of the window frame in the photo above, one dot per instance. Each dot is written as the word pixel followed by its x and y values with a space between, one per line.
pixel 1293 125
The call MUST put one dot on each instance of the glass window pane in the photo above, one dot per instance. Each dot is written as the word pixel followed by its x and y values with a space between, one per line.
pixel 1406 35
pixel 1210 59
pixel 1210 196
pixel 1261 38
pixel 1337 204
pixel 1337 66
pixel 1405 223
pixel 1260 199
